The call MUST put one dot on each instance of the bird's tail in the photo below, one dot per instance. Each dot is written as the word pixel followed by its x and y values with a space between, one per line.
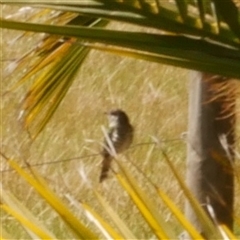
pixel 106 164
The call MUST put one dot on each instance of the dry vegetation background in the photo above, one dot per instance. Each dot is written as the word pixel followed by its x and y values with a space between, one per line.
pixel 156 98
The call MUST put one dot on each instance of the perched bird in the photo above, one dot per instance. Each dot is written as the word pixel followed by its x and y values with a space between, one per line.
pixel 120 134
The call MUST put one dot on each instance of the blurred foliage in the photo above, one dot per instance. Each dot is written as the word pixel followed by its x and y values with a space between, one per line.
pixel 200 35
pixel 159 227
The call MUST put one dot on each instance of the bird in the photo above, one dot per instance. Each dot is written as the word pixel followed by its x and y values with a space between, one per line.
pixel 120 135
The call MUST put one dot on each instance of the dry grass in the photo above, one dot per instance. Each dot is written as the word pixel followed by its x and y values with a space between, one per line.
pixel 155 97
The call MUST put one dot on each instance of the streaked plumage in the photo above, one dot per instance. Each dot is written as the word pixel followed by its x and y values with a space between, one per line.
pixel 120 134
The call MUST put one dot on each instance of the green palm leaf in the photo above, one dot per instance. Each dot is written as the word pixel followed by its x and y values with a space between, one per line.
pixel 201 35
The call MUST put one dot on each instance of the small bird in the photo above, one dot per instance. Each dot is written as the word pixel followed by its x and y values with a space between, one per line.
pixel 120 134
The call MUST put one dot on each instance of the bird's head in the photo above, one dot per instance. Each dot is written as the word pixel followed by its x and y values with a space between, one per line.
pixel 117 117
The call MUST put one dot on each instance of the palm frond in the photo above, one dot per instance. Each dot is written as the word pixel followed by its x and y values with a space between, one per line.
pixel 198 35
pixel 159 227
